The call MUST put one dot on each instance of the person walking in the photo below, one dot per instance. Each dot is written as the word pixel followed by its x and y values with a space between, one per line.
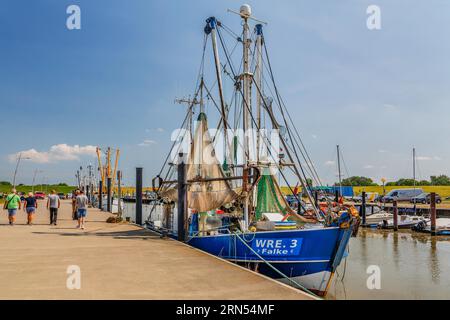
pixel 82 204
pixel 30 207
pixel 12 204
pixel 53 203
pixel 74 204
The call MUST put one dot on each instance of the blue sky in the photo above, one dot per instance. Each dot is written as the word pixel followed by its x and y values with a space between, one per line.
pixel 376 93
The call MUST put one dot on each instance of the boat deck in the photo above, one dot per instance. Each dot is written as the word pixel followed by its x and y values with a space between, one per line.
pixel 117 261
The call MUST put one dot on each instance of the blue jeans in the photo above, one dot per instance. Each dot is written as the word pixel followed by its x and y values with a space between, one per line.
pixel 82 213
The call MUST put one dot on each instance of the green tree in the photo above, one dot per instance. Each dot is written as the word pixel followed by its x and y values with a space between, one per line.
pixel 441 180
pixel 357 181
pixel 5 183
pixel 424 183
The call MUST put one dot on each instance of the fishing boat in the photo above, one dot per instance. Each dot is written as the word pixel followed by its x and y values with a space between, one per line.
pixel 219 189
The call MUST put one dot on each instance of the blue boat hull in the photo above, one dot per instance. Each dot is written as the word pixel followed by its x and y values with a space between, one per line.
pixel 309 256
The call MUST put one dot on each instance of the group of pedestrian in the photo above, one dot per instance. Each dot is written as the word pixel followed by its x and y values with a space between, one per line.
pixel 13 203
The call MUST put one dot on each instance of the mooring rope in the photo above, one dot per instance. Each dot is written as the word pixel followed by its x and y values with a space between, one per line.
pixel 275 269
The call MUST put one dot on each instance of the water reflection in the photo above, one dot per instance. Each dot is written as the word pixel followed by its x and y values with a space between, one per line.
pixel 413 266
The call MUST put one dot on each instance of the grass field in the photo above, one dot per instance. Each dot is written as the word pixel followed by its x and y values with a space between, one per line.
pixel 46 189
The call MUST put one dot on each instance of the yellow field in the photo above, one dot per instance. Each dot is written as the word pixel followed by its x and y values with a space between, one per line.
pixel 443 191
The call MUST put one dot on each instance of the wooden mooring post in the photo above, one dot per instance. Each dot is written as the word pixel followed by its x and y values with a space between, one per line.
pixel 139 196
pixel 316 198
pixel 182 199
pixel 395 215
pixel 363 208
pixel 100 195
pixel 108 196
pixel 433 212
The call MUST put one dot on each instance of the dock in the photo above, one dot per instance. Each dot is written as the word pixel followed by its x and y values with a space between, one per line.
pixel 117 261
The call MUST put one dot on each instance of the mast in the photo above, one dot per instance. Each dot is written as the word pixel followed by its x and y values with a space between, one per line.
pixel 414 167
pixel 212 22
pixel 245 13
pixel 339 169
pixel 258 79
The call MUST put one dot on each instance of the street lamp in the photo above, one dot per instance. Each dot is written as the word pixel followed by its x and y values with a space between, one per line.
pixel 17 167
pixel 36 171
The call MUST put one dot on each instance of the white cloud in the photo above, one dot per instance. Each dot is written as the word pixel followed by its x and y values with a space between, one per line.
pixel 368 166
pixel 59 152
pixel 428 158
pixel 147 143
pixel 382 151
pixel 390 107
pixel 314 136
pixel 424 158
pixel 160 130
pixel 329 163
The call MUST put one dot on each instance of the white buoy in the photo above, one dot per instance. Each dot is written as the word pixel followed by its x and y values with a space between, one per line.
pixel 245 11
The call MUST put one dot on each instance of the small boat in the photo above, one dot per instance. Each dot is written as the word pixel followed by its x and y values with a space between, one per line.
pixel 404 222
pixel 375 215
pixel 442 226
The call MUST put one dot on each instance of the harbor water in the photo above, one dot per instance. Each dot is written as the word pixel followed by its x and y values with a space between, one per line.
pixel 412 266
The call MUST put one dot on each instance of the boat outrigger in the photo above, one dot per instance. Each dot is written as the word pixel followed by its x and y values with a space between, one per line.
pixel 227 194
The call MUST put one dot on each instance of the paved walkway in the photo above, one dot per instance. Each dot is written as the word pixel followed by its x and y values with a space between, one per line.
pixel 117 261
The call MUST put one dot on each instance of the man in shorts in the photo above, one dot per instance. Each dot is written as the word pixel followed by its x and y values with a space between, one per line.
pixel 82 204
pixel 12 204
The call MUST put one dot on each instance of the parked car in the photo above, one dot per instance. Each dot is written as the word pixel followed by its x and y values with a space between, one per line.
pixel 39 195
pixel 425 197
pixel 61 195
pixel 401 195
pixel 370 197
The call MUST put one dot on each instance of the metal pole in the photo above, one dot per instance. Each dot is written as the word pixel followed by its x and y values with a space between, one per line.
pixel 139 196
pixel 363 208
pixel 433 213
pixel 100 194
pixel 15 171
pixel 108 194
pixel 182 199
pixel 395 215
pixel 339 167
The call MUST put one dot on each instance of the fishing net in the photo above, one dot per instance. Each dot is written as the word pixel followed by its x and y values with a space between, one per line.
pixel 269 197
pixel 203 164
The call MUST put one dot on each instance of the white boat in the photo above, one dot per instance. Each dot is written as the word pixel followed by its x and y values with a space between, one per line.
pixel 404 222
pixel 442 226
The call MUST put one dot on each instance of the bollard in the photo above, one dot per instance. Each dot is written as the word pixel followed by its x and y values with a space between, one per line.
pixel 100 195
pixel 363 208
pixel 139 196
pixel 336 196
pixel 182 199
pixel 433 213
pixel 394 203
